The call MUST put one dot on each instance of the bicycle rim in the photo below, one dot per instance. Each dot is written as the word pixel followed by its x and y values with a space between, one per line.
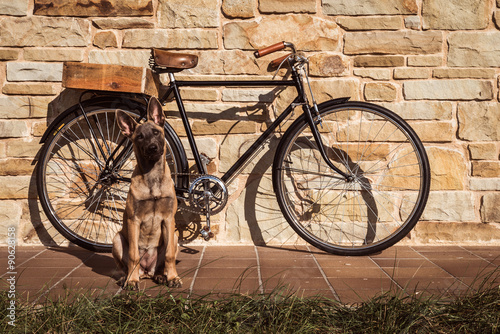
pixel 385 196
pixel 85 204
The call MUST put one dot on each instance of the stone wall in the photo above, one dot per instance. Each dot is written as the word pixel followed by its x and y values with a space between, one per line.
pixel 434 62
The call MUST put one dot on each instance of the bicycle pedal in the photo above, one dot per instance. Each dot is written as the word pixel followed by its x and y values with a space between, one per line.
pixel 206 233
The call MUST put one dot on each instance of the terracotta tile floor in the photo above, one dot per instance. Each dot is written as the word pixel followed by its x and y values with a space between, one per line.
pixel 51 272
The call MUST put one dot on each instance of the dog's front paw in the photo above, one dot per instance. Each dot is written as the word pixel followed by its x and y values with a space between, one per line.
pixel 175 283
pixel 130 285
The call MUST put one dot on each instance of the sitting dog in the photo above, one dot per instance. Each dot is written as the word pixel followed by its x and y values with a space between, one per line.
pixel 147 244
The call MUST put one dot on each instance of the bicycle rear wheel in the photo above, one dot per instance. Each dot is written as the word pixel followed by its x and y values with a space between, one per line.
pixel 382 200
pixel 82 199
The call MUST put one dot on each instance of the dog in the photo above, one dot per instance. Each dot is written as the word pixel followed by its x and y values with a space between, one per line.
pixel 146 247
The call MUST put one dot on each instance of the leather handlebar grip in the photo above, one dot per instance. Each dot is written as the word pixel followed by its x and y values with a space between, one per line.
pixel 278 61
pixel 269 49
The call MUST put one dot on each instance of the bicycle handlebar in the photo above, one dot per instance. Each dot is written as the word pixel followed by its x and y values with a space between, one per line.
pixel 270 49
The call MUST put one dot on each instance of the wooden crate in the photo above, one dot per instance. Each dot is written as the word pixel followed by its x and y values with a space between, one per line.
pixel 113 78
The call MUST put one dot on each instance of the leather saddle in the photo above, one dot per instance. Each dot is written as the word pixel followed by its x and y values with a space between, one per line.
pixel 174 62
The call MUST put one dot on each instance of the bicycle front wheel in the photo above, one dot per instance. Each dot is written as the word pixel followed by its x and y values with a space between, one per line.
pixel 382 199
pixel 82 196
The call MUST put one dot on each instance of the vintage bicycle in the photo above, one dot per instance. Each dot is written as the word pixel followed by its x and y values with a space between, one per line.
pixel 351 178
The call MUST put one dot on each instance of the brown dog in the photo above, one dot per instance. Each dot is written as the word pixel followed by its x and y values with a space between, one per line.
pixel 147 244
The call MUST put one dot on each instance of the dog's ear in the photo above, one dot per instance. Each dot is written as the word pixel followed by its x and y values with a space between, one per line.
pixel 126 123
pixel 155 112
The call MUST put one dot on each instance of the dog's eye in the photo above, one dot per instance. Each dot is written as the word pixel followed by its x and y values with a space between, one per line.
pixel 140 136
pixel 156 132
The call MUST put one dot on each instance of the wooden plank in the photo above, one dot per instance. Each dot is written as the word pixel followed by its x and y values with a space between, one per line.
pixel 115 78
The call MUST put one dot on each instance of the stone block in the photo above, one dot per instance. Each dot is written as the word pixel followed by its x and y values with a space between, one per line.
pixel 13 129
pixel 188 14
pixel 23 148
pixel 453 233
pixel 27 71
pixel 490 210
pixel 173 39
pixel 455 15
pixel 483 151
pixel 9 54
pixel 93 8
pixel 328 65
pixel 105 39
pixel 372 73
pixel 474 49
pixel 16 187
pixel 486 168
pixel 413 22
pixel 410 73
pixel 138 58
pixel 123 23
pixel 14 8
pixel 14 167
pixel 223 127
pixel 422 110
pixel 10 215
pixel 479 121
pixel 464 73
pixel 369 7
pixel 44 32
pixel 375 91
pixel 199 94
pixel 238 8
pixel 369 23
pixel 248 95
pixel 379 61
pixel 448 168
pixel 434 132
pixel 14 107
pixel 308 33
pixel 450 206
pixel 393 42
pixel 448 90
pixel 30 88
pixel 53 54
pixel 206 146
pixel 425 61
pixel 287 6
pixel 484 184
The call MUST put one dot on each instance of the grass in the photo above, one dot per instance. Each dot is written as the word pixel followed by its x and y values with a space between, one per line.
pixel 278 312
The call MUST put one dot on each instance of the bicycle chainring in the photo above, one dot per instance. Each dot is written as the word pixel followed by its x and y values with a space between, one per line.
pixel 208 192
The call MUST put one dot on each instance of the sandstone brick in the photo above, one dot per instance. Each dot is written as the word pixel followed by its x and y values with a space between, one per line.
pixel 13 129
pixel 197 94
pixel 9 54
pixel 26 71
pixel 128 58
pixel 23 107
pixel 308 33
pixel 425 61
pixel 38 128
pixel 328 65
pixel 105 39
pixel 93 8
pixel 369 23
pixel 16 166
pixel 483 151
pixel 206 146
pixel 369 7
pixel 452 15
pixel 44 32
pixel 223 127
pixel 15 8
pixel 232 150
pixel 174 39
pixel 29 89
pixel 248 95
pixel 434 131
pixel 410 73
pixel 490 210
pixel 479 121
pixel 238 8
pixel 463 73
pixel 393 42
pixel 188 14
pixel 375 74
pixel 413 22
pixel 53 54
pixel 448 168
pixel 484 184
pixel 375 91
pixel 422 110
pixel 23 148
pixel 287 6
pixel 448 90
pixel 454 233
pixel 450 206
pixel 16 187
pixel 325 90
pixel 10 215
pixel 474 49
pixel 123 23
pixel 379 61
pixel 486 168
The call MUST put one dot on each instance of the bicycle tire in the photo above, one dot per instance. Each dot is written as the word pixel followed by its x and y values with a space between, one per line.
pixel 385 196
pixel 84 208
